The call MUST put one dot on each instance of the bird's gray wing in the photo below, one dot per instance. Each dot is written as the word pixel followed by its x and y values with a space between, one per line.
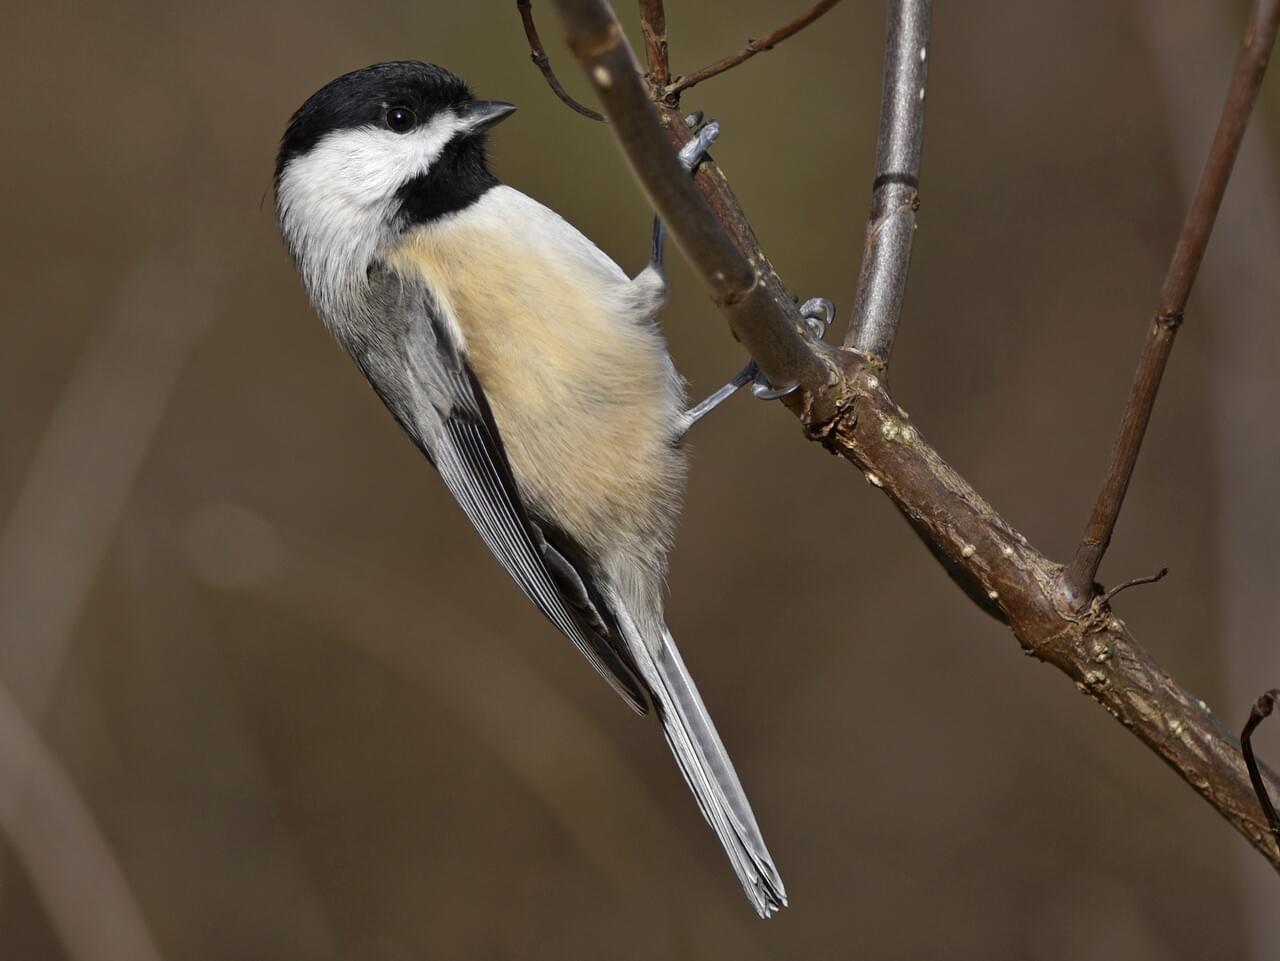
pixel 413 363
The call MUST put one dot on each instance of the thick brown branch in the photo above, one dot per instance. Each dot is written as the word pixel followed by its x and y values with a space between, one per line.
pixel 1251 65
pixel 653 25
pixel 770 329
pixel 846 407
pixel 1092 647
pixel 753 47
pixel 895 191
pixel 543 62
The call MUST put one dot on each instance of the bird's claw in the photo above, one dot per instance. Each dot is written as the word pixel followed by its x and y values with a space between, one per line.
pixel 761 389
pixel 692 153
pixel 818 313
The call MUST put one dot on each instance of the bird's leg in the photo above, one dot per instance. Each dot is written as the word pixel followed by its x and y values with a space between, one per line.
pixel 716 398
pixel 818 313
pixel 691 155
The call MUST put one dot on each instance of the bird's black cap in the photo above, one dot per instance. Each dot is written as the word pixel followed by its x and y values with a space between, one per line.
pixel 361 98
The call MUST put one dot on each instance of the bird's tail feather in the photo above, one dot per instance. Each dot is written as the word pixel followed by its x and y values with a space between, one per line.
pixel 710 775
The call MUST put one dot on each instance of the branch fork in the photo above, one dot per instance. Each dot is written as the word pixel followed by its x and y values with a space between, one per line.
pixel 1056 612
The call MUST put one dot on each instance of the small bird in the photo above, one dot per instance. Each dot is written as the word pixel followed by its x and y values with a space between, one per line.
pixel 528 368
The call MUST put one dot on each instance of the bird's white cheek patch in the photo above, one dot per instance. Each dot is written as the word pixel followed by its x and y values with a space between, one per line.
pixel 365 166
pixel 337 199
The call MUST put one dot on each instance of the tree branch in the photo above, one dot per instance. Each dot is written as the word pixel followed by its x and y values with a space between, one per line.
pixel 543 62
pixel 1261 710
pixel 1251 65
pixel 753 47
pixel 1092 647
pixel 846 407
pixel 770 329
pixel 895 191
pixel 653 25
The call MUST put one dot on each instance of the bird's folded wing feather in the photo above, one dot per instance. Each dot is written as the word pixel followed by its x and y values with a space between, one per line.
pixel 443 407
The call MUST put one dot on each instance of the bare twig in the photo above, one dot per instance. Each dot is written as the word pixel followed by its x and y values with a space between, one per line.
pixel 853 416
pixel 1105 598
pixel 753 47
pixel 895 191
pixel 653 26
pixel 1261 710
pixel 543 63
pixel 770 329
pixel 1251 65
pixel 1237 289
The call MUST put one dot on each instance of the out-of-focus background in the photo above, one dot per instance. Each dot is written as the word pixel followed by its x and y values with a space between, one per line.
pixel 263 694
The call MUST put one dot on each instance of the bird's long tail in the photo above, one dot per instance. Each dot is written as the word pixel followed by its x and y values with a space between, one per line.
pixel 710 775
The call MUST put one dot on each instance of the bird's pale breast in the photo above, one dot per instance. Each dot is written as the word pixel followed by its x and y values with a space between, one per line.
pixel 576 373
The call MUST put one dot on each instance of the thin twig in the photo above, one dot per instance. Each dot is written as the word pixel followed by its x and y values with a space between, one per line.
pixel 753 47
pixel 895 191
pixel 770 329
pixel 543 63
pixel 854 417
pixel 1262 709
pixel 653 26
pixel 1159 575
pixel 1251 65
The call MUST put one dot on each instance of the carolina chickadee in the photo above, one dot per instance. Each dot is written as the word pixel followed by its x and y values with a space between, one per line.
pixel 528 368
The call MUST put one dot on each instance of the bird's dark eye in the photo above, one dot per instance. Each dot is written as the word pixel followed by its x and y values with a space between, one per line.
pixel 401 119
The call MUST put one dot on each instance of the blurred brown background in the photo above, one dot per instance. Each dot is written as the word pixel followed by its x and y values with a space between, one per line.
pixel 266 696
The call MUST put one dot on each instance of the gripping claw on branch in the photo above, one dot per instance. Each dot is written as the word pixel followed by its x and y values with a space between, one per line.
pixel 818 313
pixel 692 153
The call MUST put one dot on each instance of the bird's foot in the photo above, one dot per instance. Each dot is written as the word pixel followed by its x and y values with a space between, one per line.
pixel 715 399
pixel 695 151
pixel 691 154
pixel 817 314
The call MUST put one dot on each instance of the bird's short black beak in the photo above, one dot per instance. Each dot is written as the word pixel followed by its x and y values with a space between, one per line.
pixel 480 115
